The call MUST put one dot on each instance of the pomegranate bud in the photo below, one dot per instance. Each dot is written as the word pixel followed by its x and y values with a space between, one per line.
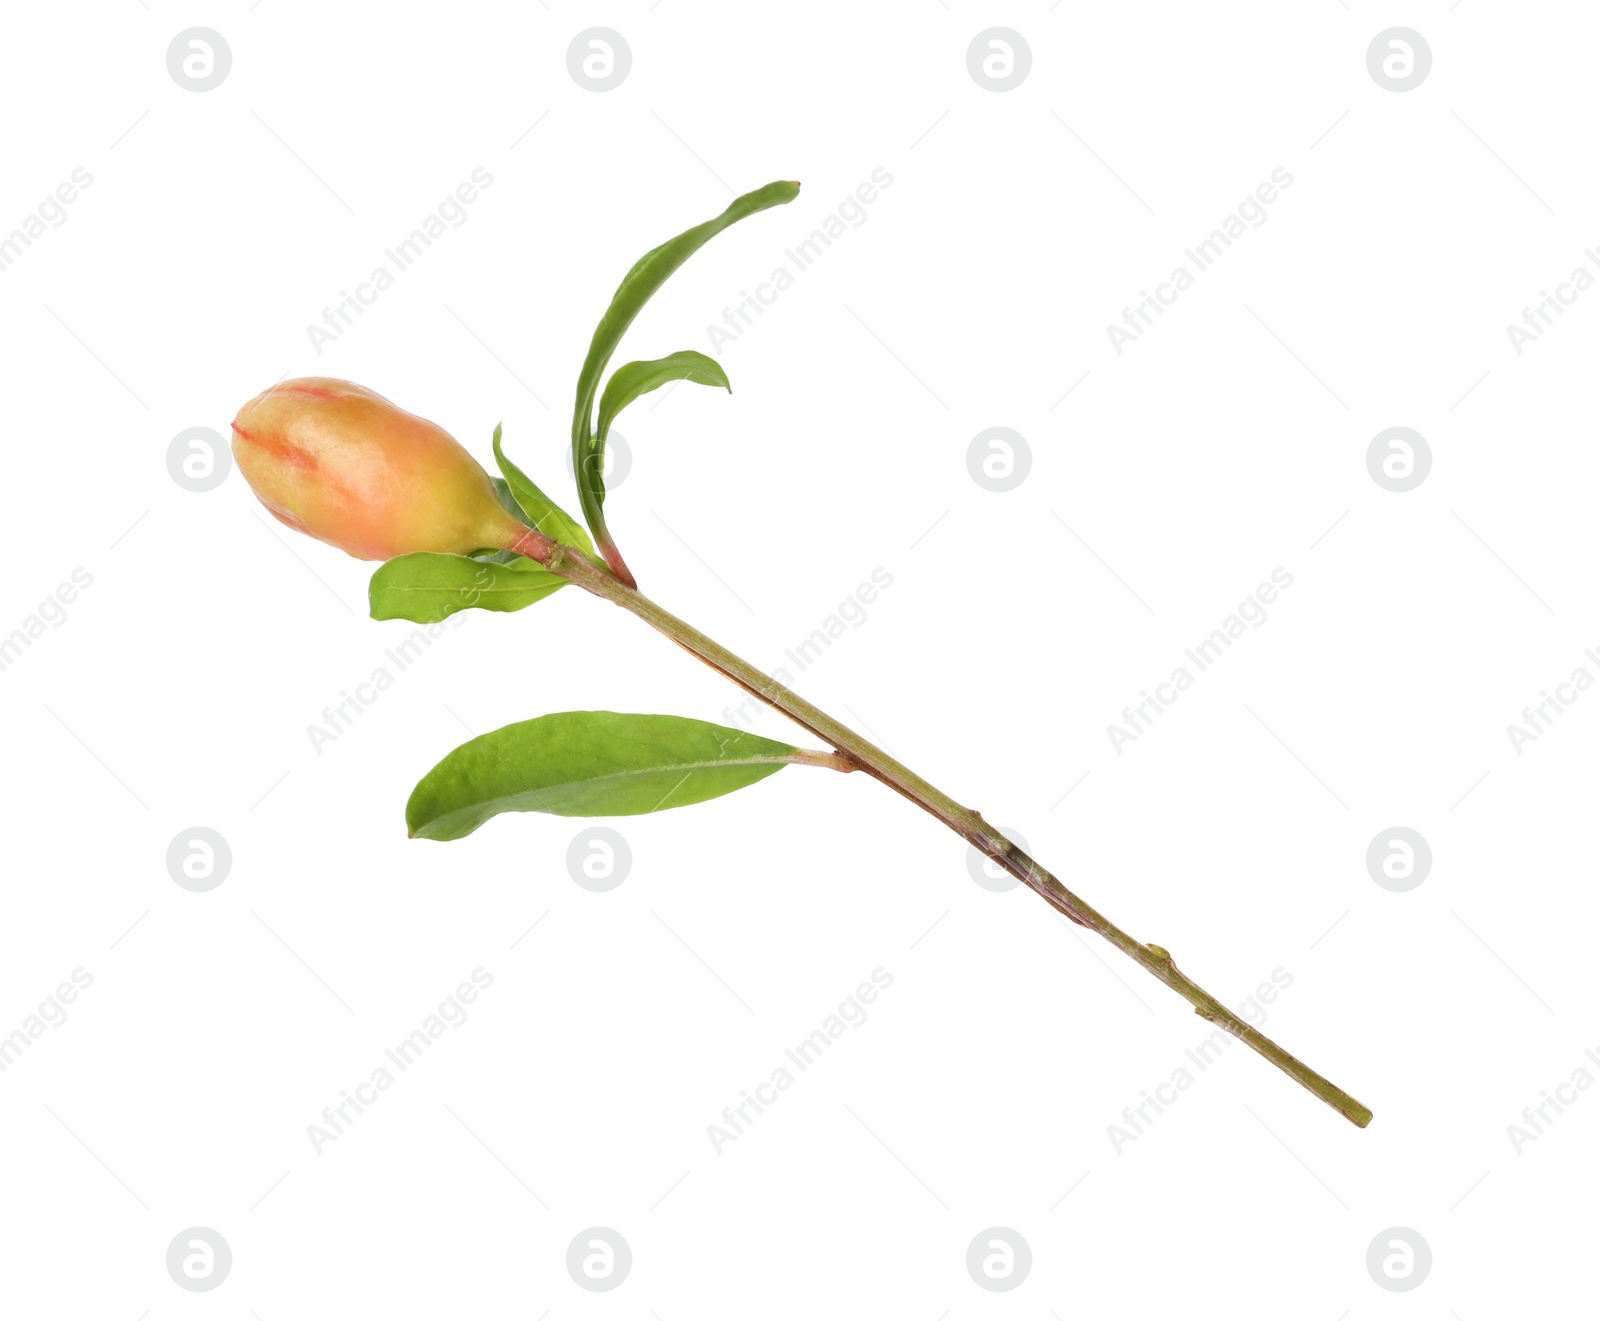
pixel 340 463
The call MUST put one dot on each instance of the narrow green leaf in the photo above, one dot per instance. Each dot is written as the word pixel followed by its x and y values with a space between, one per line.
pixel 633 379
pixel 508 502
pixel 588 763
pixel 648 274
pixel 539 509
pixel 425 587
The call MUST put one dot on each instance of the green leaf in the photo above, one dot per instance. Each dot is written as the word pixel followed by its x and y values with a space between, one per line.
pixel 588 763
pixel 425 587
pixel 633 379
pixel 649 273
pixel 508 502
pixel 539 509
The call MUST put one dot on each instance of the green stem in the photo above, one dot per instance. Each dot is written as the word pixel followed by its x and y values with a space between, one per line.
pixel 970 825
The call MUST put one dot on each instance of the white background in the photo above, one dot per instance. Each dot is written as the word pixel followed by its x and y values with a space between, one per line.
pixel 1225 443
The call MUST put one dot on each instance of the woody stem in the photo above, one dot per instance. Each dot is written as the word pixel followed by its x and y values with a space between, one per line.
pixel 969 824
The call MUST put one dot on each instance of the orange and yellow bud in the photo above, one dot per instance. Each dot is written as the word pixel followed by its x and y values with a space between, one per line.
pixel 342 464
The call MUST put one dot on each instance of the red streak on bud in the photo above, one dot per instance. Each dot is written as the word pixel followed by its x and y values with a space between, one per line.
pixel 281 448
